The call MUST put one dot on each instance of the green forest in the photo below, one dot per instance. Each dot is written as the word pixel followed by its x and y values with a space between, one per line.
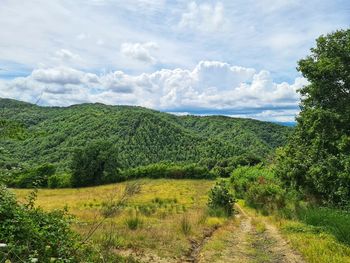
pixel 127 137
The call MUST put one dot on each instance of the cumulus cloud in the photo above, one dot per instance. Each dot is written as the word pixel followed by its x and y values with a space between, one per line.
pixel 203 17
pixel 210 87
pixel 139 51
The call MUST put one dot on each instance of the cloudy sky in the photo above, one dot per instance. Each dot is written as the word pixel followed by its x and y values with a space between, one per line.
pixel 232 57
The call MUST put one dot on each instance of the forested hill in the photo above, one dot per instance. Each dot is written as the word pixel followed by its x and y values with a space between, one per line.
pixel 31 134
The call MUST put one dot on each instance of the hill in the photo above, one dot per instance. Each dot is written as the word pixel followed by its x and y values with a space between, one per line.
pixel 31 135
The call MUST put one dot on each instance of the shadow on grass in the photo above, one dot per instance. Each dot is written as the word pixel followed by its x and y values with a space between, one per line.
pixel 333 221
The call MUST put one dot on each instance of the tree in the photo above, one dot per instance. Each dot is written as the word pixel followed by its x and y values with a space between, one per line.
pixel 95 164
pixel 317 158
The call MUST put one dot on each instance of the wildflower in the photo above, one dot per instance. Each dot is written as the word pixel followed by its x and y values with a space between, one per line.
pixel 3 245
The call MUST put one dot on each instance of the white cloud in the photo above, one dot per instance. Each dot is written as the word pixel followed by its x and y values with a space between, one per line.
pixel 203 17
pixel 139 51
pixel 66 55
pixel 210 86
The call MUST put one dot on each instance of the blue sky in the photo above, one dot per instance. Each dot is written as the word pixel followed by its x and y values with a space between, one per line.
pixel 236 58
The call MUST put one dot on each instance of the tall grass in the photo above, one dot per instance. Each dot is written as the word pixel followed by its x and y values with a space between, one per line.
pixel 186 226
pixel 333 221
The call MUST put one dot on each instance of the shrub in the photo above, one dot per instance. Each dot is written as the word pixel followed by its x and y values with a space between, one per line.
pixel 31 233
pixel 243 177
pixel 59 181
pixel 221 197
pixel 266 196
pixel 35 177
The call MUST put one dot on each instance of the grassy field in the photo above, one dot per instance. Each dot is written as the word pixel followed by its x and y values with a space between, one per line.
pixel 160 219
pixel 166 217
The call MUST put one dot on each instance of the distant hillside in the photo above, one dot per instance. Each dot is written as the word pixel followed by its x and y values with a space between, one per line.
pixel 32 135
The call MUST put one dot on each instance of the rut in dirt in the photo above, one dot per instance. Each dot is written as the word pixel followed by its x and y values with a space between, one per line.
pixel 193 254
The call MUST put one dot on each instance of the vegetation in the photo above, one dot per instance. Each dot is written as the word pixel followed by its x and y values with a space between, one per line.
pixel 159 218
pixel 30 234
pixel 69 138
pixel 316 160
pixel 221 199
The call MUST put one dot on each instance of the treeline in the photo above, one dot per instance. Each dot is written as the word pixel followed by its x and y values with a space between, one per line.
pixel 98 163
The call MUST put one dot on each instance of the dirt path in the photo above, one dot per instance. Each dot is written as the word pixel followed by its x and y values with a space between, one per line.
pixel 248 239
pixel 244 239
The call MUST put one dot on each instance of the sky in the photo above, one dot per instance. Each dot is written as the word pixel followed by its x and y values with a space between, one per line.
pixel 231 57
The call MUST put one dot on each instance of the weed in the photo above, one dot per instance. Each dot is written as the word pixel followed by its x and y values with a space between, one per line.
pixel 186 226
pixel 134 222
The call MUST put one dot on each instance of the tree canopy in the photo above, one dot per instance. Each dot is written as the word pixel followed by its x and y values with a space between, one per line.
pixel 317 158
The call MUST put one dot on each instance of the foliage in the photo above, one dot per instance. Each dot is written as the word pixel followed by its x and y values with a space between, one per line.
pixel 243 177
pixel 30 233
pixel 35 177
pixel 266 196
pixel 139 136
pixel 168 170
pixel 263 190
pixel 96 164
pixel 62 180
pixel 316 160
pixel 221 197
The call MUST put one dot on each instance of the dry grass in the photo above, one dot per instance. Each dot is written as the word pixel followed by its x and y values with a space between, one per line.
pixel 160 205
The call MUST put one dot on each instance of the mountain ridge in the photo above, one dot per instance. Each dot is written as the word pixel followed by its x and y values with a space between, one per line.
pixel 140 135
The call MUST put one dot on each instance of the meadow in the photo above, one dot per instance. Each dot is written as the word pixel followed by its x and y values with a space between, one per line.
pixel 167 220
pixel 161 219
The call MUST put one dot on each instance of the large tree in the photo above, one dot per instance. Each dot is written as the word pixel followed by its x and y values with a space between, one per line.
pixel 317 158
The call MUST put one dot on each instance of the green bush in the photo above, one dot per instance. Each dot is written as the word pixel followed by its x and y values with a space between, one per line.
pixel 266 196
pixel 243 177
pixel 221 198
pixel 60 181
pixel 32 234
pixel 35 177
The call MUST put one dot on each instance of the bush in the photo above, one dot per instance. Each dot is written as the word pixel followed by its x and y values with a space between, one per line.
pixel 243 177
pixel 60 181
pixel 221 197
pixel 36 177
pixel 266 196
pixel 32 234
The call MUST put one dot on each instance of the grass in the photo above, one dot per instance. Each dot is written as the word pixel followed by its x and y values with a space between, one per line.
pixel 333 221
pixel 320 235
pixel 151 220
pixel 134 222
pixel 186 225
